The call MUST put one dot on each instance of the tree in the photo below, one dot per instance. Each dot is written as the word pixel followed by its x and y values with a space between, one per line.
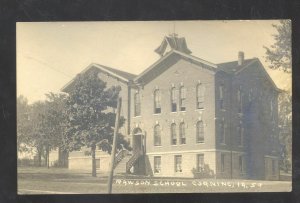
pixel 90 116
pixel 280 58
pixel 279 54
pixel 22 124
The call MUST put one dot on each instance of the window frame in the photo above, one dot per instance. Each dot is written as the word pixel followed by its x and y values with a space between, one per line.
pixel 198 163
pixel 178 165
pixel 182 133
pixel 157 162
pixel 137 105
pixel 173 99
pixel 182 98
pixel 200 125
pixel 200 96
pixel 173 132
pixel 157 101
pixel 157 135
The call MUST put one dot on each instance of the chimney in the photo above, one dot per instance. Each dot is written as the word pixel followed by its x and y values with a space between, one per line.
pixel 241 58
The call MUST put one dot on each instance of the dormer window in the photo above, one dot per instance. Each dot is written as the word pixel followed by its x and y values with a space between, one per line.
pixel 157 105
pixel 239 99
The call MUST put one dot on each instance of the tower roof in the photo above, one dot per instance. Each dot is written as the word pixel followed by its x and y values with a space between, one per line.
pixel 175 43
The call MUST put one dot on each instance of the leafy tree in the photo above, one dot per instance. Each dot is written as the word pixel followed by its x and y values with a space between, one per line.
pixel 22 124
pixel 279 54
pixel 90 115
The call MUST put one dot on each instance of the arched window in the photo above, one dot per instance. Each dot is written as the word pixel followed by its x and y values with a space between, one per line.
pixel 157 135
pixel 173 134
pixel 173 100
pixel 182 98
pixel 137 104
pixel 157 106
pixel 200 132
pixel 182 133
pixel 200 96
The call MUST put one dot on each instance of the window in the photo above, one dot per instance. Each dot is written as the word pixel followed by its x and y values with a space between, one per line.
pixel 157 164
pixel 157 106
pixel 273 167
pixel 178 163
pixel 222 162
pixel 97 163
pixel 240 130
pixel 182 133
pixel 241 164
pixel 272 109
pixel 239 99
pixel 157 136
pixel 173 100
pixel 221 96
pixel 137 104
pixel 222 132
pixel 200 96
pixel 200 162
pixel 173 134
pixel 182 98
pixel 200 132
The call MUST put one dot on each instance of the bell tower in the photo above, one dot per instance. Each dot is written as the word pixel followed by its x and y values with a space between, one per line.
pixel 172 42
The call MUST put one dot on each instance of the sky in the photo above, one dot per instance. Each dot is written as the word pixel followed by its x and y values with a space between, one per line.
pixel 50 54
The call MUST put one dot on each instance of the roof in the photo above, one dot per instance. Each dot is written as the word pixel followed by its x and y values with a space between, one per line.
pixel 232 66
pixel 128 76
pixel 122 75
pixel 175 43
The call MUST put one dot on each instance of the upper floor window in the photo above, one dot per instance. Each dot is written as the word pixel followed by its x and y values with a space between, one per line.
pixel 137 104
pixel 157 104
pixel 200 96
pixel 240 134
pixel 200 132
pixel 157 135
pixel 173 100
pixel 222 132
pixel 182 98
pixel 182 133
pixel 173 134
pixel 200 162
pixel 178 163
pixel 221 96
pixel 239 99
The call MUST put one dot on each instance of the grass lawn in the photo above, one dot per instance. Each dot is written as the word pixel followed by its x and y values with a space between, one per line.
pixel 65 181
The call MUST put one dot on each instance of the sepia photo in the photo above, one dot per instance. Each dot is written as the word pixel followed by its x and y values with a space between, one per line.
pixel 154 107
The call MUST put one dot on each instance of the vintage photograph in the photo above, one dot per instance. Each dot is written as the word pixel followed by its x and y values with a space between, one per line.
pixel 154 107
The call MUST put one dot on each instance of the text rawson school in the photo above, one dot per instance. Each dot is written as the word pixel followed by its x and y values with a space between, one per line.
pixel 187 117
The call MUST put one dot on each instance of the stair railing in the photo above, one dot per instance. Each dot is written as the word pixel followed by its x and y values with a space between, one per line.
pixel 119 156
pixel 136 155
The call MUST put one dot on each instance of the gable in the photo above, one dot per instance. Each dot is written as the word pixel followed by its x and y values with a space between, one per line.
pixel 118 75
pixel 259 68
pixel 169 60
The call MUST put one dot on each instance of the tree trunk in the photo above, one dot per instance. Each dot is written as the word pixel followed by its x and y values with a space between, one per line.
pixel 39 159
pixel 93 149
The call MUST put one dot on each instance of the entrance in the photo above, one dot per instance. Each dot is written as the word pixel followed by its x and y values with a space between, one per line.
pixel 137 142
pixel 138 148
